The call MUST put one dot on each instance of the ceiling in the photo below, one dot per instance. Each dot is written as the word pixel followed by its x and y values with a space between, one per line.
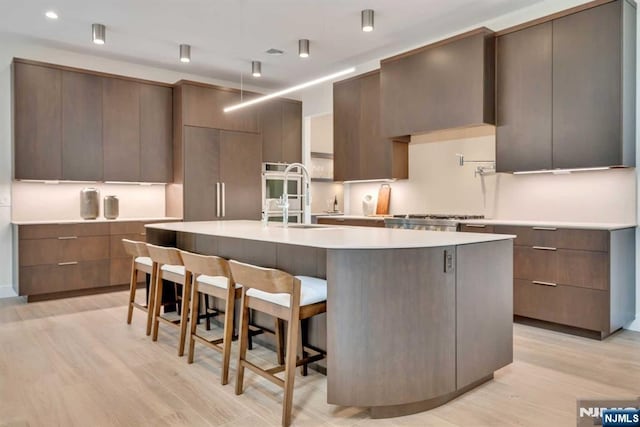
pixel 227 34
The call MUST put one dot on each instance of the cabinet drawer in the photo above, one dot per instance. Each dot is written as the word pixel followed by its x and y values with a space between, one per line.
pixel 53 251
pixel 585 269
pixel 116 248
pixel 476 228
pixel 120 271
pixel 44 231
pixel 566 238
pixel 566 305
pixel 44 279
pixel 352 222
pixel 132 227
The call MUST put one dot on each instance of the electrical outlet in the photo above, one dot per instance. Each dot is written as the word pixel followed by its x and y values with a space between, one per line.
pixel 5 201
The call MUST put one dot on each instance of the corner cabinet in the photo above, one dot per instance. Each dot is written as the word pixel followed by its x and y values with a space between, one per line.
pixel 444 85
pixel 566 91
pixel 360 151
pixel 78 125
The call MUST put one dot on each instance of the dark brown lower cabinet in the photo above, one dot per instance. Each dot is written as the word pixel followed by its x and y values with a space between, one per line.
pixel 378 222
pixel 59 259
pixel 581 278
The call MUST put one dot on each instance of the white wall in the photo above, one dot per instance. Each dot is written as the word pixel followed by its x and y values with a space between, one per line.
pixel 12 46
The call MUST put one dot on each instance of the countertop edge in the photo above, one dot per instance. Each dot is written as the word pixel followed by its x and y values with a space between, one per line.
pixel 559 224
pixel 94 221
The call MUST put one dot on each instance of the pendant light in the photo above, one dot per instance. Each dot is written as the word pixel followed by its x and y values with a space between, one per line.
pixel 367 20
pixel 303 48
pixel 98 33
pixel 256 68
pixel 185 53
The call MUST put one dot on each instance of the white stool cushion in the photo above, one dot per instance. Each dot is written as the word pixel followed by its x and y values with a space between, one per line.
pixel 218 281
pixel 144 260
pixel 177 269
pixel 313 290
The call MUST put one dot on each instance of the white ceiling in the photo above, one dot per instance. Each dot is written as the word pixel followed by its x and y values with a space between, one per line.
pixel 227 34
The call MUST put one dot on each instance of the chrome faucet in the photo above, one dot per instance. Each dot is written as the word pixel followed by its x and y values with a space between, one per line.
pixel 284 200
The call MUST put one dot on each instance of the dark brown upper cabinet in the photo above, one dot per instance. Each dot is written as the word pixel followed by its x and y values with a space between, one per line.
pixel 524 99
pixel 37 95
pixel 566 90
pixel 360 151
pixel 444 85
pixel 80 125
pixel 82 154
pixel 121 130
pixel 203 105
pixel 594 87
pixel 156 133
pixel 281 124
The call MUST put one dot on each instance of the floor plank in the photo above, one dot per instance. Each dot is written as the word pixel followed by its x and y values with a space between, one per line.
pixel 75 362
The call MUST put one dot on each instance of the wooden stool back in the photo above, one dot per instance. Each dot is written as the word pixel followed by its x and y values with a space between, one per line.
pixel 201 265
pixel 264 279
pixel 135 248
pixel 164 255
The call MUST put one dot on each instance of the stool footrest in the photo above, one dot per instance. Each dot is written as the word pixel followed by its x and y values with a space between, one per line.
pixel 263 373
pixel 140 306
pixel 171 318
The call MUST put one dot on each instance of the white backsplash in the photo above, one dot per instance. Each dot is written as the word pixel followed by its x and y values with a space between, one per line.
pixel 35 201
pixel 437 184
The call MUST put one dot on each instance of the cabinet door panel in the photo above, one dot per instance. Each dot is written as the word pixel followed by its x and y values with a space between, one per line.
pixel 375 151
pixel 240 171
pixel 524 79
pixel 346 131
pixel 271 123
pixel 535 264
pixel 156 149
pixel 38 122
pixel 586 88
pixel 584 269
pixel 201 173
pixel 121 130
pixel 82 153
pixel 291 132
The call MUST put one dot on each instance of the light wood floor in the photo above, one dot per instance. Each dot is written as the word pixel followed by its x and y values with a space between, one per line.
pixel 75 362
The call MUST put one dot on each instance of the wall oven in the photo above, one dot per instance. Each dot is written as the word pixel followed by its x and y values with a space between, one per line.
pixel 273 188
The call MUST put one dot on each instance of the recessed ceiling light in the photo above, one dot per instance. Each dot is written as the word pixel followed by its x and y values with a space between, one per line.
pixel 367 20
pixel 51 14
pixel 185 53
pixel 98 33
pixel 256 68
pixel 274 51
pixel 303 48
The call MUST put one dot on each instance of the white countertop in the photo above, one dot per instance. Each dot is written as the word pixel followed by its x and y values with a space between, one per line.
pixel 331 236
pixel 558 224
pixel 94 221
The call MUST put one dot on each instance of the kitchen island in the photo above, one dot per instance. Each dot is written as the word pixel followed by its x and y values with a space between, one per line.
pixel 414 318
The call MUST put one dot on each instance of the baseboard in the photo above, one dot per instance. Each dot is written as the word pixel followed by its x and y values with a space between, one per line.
pixel 635 325
pixel 7 291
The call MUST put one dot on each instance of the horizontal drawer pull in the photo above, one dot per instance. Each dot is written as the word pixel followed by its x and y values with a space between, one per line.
pixel 475 225
pixel 537 282
pixel 68 263
pixel 546 228
pixel 67 237
pixel 544 248
pixel 143 234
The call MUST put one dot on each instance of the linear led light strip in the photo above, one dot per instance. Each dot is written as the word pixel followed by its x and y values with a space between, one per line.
pixel 561 171
pixel 289 90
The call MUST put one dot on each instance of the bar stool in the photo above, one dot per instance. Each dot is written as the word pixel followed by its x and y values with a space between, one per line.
pixel 211 276
pixel 286 297
pixel 140 262
pixel 168 266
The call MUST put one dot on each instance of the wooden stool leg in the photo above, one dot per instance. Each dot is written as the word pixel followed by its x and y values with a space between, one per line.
pixel 151 297
pixel 279 341
pixel 244 341
pixel 228 332
pixel 194 324
pixel 290 369
pixel 301 342
pixel 206 312
pixel 184 317
pixel 157 304
pixel 250 336
pixel 132 290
